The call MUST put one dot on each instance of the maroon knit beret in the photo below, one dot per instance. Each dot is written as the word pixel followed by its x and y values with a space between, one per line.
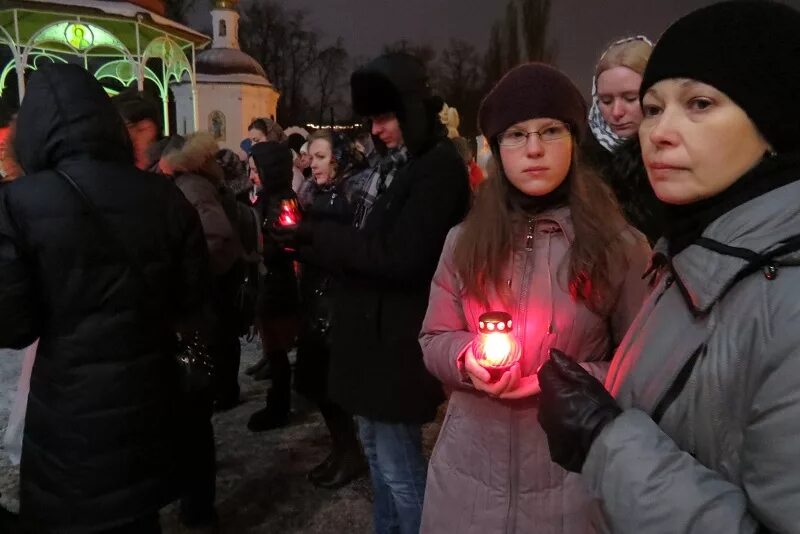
pixel 532 91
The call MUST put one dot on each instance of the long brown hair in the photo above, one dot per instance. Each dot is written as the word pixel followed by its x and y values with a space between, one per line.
pixel 486 241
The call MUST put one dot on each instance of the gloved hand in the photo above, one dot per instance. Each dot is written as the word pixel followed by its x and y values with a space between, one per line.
pixel 291 237
pixel 574 407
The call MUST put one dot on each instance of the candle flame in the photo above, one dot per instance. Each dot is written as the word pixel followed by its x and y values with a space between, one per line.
pixel 496 349
pixel 286 219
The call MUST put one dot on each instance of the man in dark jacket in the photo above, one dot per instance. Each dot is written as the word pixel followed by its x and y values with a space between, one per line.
pixel 99 453
pixel 386 262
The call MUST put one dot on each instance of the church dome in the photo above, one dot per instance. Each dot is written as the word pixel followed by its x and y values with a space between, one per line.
pixel 221 61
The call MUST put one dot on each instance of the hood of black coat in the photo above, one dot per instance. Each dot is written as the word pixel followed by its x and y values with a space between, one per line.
pixel 397 83
pixel 273 161
pixel 67 115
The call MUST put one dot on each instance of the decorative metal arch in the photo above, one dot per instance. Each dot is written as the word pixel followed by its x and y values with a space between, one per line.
pixel 34 65
pixel 126 73
pixel 88 37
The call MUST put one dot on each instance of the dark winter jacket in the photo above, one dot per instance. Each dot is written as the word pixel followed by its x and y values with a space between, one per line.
pixel 99 446
pixel 201 180
pixel 624 171
pixel 385 267
pixel 317 289
pixel 278 297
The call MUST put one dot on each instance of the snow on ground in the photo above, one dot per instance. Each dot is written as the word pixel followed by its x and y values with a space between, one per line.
pixel 261 484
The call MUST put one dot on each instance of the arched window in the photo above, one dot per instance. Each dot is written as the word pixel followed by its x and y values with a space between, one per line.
pixel 223 28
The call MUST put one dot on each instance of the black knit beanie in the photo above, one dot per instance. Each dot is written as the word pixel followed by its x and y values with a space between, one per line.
pixel 749 50
pixel 532 91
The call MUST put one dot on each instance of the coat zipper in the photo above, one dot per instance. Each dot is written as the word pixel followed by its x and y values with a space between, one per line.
pixel 521 320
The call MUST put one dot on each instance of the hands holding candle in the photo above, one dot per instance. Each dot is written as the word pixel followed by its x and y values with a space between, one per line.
pixel 289 229
pixel 492 361
pixel 289 214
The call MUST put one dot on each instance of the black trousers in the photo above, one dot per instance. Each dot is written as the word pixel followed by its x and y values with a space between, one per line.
pixel 199 465
pixel 225 348
pixel 279 397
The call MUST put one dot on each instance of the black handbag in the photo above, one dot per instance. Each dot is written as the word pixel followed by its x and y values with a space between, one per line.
pixel 195 365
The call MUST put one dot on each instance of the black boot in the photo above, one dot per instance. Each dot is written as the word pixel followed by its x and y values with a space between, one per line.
pixel 9 522
pixel 268 418
pixel 265 373
pixel 256 367
pixel 324 469
pixel 279 397
pixel 348 462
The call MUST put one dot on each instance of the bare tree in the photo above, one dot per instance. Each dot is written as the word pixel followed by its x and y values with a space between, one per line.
pixel 535 22
pixel 301 51
pixel 511 37
pixel 178 9
pixel 494 59
pixel 287 48
pixel 460 82
pixel 423 52
pixel 329 69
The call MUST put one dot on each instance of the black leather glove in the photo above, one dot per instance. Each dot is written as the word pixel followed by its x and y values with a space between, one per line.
pixel 291 237
pixel 574 407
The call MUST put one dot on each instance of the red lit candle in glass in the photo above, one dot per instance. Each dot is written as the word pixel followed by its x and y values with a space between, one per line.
pixel 495 347
pixel 290 213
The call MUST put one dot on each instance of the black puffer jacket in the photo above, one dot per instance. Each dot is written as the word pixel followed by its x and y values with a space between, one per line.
pixel 385 267
pixel 624 171
pixel 99 447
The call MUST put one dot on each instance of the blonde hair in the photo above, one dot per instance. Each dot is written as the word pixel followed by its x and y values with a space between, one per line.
pixel 632 54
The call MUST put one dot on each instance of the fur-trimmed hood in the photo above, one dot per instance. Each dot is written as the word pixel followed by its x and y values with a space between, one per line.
pixel 196 154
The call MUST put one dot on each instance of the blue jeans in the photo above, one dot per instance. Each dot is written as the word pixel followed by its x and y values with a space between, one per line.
pixel 398 471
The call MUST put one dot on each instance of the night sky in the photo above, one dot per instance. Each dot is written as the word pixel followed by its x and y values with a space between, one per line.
pixel 582 28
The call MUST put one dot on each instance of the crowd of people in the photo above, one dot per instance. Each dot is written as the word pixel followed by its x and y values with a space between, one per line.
pixel 645 247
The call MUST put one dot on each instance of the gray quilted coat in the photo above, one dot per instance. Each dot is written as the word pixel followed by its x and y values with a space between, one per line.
pixel 709 377
pixel 490 472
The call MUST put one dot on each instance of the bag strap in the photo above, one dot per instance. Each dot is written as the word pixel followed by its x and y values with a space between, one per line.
pixel 102 225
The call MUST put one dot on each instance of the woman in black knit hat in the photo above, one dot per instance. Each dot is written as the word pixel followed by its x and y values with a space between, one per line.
pixel 701 432
pixel 546 243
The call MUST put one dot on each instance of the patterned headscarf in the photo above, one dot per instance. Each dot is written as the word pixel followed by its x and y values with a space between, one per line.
pixel 597 124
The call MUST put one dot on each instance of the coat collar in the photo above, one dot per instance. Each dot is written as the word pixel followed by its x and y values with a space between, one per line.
pixel 759 225
pixel 560 216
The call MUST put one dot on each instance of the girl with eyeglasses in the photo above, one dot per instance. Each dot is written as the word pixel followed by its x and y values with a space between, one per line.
pixel 545 243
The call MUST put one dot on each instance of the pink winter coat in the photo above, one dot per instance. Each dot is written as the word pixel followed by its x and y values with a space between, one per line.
pixel 491 470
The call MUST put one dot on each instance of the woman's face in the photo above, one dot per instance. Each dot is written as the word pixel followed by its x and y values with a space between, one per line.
pixel 323 167
pixel 618 98
pixel 696 142
pixel 536 166
pixel 256 136
pixel 255 179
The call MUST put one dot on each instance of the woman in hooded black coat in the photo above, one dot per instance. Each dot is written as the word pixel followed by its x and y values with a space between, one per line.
pixel 99 450
pixel 277 307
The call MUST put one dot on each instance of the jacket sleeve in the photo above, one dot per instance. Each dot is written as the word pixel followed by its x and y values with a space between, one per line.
pixel 221 239
pixel 18 298
pixel 437 201
pixel 648 484
pixel 445 334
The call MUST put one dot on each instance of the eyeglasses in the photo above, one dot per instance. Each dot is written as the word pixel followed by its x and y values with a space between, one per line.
pixel 514 138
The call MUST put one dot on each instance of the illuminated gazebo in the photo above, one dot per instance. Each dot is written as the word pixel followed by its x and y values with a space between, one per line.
pixel 126 41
